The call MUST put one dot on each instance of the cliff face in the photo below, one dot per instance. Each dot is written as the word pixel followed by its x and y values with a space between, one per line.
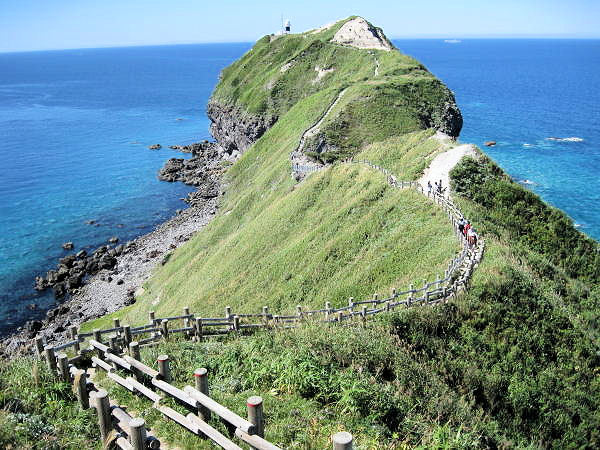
pixel 387 92
pixel 234 129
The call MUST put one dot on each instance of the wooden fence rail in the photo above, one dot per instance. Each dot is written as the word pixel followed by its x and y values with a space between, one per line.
pixel 110 351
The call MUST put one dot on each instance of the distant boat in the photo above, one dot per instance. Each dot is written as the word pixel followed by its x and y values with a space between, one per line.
pixel 452 41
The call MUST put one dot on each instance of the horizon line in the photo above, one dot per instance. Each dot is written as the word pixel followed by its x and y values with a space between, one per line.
pixel 398 37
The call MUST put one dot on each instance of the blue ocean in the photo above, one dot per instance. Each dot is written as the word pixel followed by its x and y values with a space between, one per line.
pixel 75 126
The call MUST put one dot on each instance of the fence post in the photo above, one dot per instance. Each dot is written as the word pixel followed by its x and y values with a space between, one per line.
pixel 75 337
pixel 228 312
pixel 186 321
pixel 375 297
pixel 163 367
pixel 97 335
pixel 164 329
pixel 342 441
pixel 79 383
pixel 127 335
pixel 236 323
pixel 134 352
pixel 63 367
pixel 255 414
pixel 114 345
pixel 299 311
pixel 394 293
pixel 387 306
pixel 137 433
pixel 201 382
pixel 50 358
pixel 340 316
pixel 151 317
pixel 265 311
pixel 410 295
pixel 198 330
pixel 39 345
pixel 102 405
pixel 327 310
pixel 116 323
pixel 363 315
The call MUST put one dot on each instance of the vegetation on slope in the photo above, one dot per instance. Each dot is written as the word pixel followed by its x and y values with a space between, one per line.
pixel 388 93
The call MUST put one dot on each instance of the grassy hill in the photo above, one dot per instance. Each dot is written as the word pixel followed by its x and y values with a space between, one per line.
pixel 513 363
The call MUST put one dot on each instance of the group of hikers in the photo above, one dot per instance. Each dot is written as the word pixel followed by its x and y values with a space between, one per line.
pixel 464 226
pixel 438 188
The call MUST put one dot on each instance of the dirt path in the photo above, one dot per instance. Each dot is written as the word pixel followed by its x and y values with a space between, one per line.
pixel 443 163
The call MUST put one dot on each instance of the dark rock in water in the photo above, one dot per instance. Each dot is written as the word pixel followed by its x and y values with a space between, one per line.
pixel 81 254
pixel 90 222
pixel 100 251
pixel 67 261
pixel 155 147
pixel 32 306
pixel 59 290
pixel 40 284
pixel 68 246
pixel 113 240
pixel 489 143
pixel 52 276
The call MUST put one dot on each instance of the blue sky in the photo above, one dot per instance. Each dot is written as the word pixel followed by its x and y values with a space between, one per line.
pixel 57 24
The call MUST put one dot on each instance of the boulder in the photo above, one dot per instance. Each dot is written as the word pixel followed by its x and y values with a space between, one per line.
pixel 489 143
pixel 68 246
pixel 155 147
pixel 81 254
pixel 67 261
pixel 59 290
pixel 113 240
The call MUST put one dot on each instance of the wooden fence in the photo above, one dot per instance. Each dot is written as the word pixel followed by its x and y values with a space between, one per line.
pixel 117 348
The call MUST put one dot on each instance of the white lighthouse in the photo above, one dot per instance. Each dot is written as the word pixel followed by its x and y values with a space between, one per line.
pixel 287 27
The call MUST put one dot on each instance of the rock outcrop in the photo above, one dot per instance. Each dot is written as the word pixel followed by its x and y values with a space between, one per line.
pixel 234 129
pixel 361 34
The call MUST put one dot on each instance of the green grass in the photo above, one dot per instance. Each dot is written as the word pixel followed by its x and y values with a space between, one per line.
pixel 37 411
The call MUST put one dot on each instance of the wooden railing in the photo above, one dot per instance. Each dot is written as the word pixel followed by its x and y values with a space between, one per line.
pixel 117 348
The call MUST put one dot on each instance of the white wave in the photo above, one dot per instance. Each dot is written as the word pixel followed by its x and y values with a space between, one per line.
pixel 452 41
pixel 532 183
pixel 569 139
pixel 527 145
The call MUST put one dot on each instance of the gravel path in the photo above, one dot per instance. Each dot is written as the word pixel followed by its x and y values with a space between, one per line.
pixel 443 163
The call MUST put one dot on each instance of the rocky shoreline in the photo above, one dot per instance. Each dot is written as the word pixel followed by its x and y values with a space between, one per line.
pixel 108 278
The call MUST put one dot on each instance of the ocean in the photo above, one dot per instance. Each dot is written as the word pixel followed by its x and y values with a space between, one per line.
pixel 75 126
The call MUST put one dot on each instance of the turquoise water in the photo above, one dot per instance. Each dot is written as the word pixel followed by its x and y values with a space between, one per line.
pixel 75 126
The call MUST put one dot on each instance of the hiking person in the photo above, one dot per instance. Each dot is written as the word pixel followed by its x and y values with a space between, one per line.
pixel 461 224
pixel 466 228
pixel 428 187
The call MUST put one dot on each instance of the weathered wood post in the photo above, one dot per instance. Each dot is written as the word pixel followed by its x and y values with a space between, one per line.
pixel 228 312
pixel 387 306
pixel 411 288
pixel 163 367
pixel 340 316
pixel 265 312
pixel 363 315
pixel 39 345
pixel 63 367
pixel 75 336
pixel 80 388
pixel 127 335
pixel 342 441
pixel 50 358
pixel 375 297
pixel 134 352
pixel 102 405
pixel 198 328
pixel 236 323
pixel 327 310
pixel 299 311
pixel 186 321
pixel 351 305
pixel 151 317
pixel 201 382
pixel 114 345
pixel 116 324
pixel 164 329
pixel 137 433
pixel 394 293
pixel 255 414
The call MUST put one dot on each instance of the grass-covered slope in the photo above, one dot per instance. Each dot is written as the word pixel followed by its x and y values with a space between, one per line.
pixel 388 93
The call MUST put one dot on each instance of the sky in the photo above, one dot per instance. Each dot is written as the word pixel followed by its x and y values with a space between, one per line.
pixel 61 24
